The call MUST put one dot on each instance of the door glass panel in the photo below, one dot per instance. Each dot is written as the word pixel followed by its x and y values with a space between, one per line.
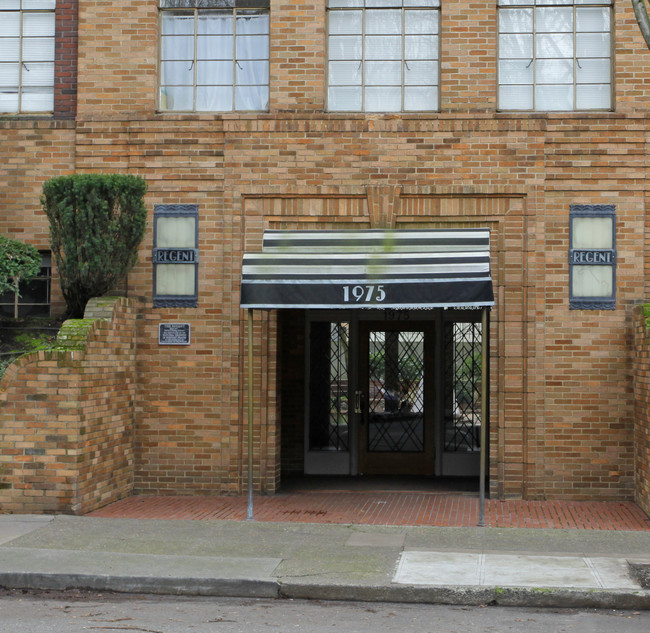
pixel 328 403
pixel 463 387
pixel 395 392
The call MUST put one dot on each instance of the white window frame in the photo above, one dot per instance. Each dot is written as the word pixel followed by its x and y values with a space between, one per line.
pixel 363 84
pixel 234 78
pixel 26 58
pixel 537 81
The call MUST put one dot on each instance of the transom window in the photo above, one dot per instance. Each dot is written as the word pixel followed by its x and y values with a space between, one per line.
pixel 216 57
pixel 383 55
pixel 555 55
pixel 27 55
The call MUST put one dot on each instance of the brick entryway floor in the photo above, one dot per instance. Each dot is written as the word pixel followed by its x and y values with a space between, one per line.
pixel 386 508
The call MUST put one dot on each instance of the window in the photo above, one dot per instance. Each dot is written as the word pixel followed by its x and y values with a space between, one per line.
pixel 27 56
pixel 214 58
pixel 175 255
pixel 383 55
pixel 555 55
pixel 592 257
pixel 34 297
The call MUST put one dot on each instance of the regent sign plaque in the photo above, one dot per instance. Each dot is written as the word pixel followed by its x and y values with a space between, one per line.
pixel 175 256
pixel 174 334
pixel 592 257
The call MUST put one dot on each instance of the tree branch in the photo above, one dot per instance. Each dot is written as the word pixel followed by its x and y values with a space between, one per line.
pixel 641 14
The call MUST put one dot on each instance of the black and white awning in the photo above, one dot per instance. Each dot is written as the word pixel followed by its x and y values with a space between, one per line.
pixel 399 269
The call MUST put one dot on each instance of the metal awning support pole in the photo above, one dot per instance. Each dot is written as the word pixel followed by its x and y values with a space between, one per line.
pixel 484 392
pixel 250 414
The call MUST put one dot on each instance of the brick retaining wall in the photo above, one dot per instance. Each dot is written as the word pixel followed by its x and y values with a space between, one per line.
pixel 66 416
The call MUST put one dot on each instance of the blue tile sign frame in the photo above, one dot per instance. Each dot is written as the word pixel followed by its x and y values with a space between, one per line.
pixel 592 257
pixel 176 256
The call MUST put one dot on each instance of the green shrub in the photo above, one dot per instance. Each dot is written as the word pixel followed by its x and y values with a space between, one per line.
pixel 97 222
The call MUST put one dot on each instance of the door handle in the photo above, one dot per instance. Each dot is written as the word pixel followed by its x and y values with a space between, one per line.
pixel 360 405
pixel 358 401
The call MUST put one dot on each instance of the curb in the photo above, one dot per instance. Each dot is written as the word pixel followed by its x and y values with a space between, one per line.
pixel 273 589
pixel 475 596
pixel 223 587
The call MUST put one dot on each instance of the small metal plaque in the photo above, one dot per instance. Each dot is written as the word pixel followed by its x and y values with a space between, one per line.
pixel 173 334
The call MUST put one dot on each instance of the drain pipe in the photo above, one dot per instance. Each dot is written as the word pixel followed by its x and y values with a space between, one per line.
pixel 484 392
pixel 250 414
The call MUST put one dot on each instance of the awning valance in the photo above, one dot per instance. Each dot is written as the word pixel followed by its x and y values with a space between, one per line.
pixel 401 269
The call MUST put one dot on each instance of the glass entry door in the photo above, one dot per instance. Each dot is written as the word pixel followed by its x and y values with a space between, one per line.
pixel 394 399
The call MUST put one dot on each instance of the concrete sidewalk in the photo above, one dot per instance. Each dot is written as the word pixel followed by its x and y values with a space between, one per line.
pixel 506 566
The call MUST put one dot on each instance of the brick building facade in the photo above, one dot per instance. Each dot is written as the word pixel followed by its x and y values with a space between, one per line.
pixel 560 419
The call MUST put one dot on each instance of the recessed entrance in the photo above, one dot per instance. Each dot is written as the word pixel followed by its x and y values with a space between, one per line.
pixel 396 396
pixel 386 312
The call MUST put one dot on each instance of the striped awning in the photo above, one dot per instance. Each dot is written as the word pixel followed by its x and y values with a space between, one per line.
pixel 399 269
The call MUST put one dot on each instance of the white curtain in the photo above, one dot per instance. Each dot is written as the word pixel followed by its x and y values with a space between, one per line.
pixel 252 65
pixel 177 60
pixel 215 48
pixel 27 57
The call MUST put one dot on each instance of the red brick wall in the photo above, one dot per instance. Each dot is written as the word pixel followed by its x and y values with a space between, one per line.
pixel 30 153
pixel 66 51
pixel 118 42
pixel 66 417
pixel 642 408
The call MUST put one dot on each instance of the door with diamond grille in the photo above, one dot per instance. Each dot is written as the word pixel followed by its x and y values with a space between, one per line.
pixel 462 418
pixel 395 399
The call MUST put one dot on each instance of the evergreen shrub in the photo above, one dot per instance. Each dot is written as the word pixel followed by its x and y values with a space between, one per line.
pixel 97 222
